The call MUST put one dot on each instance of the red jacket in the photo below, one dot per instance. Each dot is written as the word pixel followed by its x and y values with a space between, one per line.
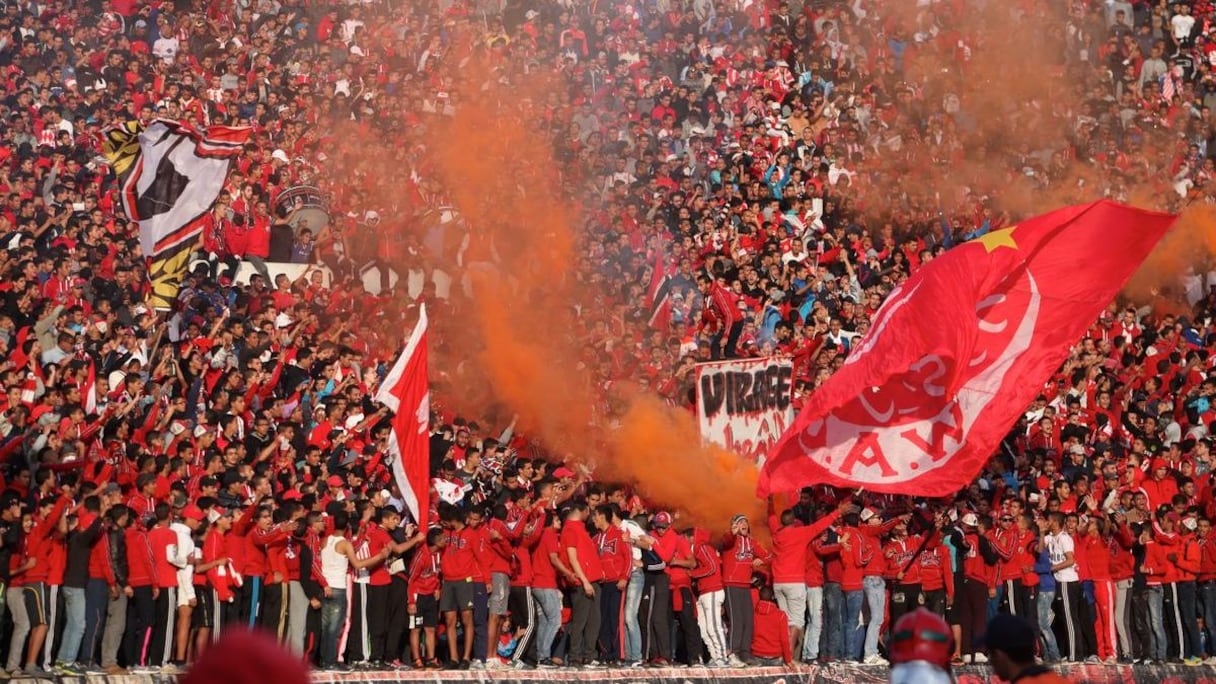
pixel 855 559
pixel 708 571
pixel 899 553
pixel 829 554
pixel 771 632
pixel 1097 557
pixel 790 547
pixel 937 570
pixel 424 575
pixel 1207 558
pixel 616 556
pixel 1156 566
pixel 39 544
pixel 140 571
pixel 220 576
pixel 273 542
pixel 974 567
pixel 160 538
pixel 738 556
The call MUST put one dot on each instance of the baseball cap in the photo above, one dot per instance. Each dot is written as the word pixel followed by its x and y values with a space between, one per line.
pixel 563 472
pixel 970 520
pixel 193 512
pixel 335 481
pixel 662 519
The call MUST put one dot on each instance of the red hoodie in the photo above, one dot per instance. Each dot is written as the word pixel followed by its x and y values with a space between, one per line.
pixel 708 571
pixel 1207 558
pixel 937 570
pixel 974 567
pixel 39 544
pixel 771 635
pixel 458 562
pixel 738 556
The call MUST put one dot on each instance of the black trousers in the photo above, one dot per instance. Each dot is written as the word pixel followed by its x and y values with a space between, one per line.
pixel 272 614
pixel 612 601
pixel 741 615
pixel 1077 622
pixel 398 620
pixel 522 607
pixel 935 601
pixel 689 647
pixel 654 616
pixel 377 620
pixel 1142 632
pixel 357 646
pixel 141 616
pixel 165 612
pixel 905 598
pixel 1019 600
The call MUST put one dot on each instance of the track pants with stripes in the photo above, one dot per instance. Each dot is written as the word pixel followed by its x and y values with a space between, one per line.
pixel 1074 618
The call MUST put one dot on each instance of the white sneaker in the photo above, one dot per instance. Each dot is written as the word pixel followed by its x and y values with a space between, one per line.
pixel 874 660
pixel 494 664
pixel 979 658
pixel 477 665
pixel 734 661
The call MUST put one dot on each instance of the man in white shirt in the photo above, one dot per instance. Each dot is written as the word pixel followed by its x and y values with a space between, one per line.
pixel 1061 552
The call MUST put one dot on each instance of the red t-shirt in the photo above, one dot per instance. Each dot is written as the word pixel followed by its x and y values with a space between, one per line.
pixel 544 575
pixel 574 536
pixel 377 539
pixel 459 560
pixel 164 572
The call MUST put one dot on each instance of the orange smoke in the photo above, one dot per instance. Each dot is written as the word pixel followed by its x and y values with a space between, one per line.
pixel 1191 244
pixel 530 310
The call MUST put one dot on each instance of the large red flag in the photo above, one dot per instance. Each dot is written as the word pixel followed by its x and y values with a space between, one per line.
pixel 406 393
pixel 958 351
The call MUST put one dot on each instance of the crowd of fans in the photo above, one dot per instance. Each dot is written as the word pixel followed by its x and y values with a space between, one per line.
pixel 169 475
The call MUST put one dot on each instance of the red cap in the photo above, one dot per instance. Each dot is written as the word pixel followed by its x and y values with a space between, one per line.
pixel 291 495
pixel 1159 463
pixel 335 481
pixel 563 472
pixel 193 512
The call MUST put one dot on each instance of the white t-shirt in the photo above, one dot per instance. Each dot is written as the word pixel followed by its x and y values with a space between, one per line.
pixel 1058 548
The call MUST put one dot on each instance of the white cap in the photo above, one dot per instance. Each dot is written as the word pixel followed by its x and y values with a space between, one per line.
pixel 280 155
pixel 971 520
pixel 200 431
pixel 867 513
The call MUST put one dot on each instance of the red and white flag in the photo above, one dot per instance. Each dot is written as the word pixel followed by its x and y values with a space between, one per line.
pixel 958 351
pixel 90 391
pixel 406 393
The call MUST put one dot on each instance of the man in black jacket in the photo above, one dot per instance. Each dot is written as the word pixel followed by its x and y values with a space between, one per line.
pixel 84 529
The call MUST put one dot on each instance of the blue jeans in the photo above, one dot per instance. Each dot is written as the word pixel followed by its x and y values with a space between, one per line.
pixel 633 630
pixel 814 623
pixel 1156 622
pixel 333 617
pixel 834 621
pixel 853 601
pixel 1051 650
pixel 875 590
pixel 96 603
pixel 73 630
pixel 549 620
pixel 1207 601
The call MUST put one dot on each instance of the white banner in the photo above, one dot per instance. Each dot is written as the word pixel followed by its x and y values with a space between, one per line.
pixel 745 405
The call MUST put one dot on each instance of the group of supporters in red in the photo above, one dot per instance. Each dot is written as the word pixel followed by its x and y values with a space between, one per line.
pixel 169 476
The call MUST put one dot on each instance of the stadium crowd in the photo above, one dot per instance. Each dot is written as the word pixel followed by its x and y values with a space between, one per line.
pixel 168 476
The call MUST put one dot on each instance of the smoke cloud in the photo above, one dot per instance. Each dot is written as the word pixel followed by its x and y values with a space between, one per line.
pixel 530 308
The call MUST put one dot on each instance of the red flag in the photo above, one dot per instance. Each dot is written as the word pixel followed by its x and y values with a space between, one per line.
pixel 658 293
pixel 958 351
pixel 405 392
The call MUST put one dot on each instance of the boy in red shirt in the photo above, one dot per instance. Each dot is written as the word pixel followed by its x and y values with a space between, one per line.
pixel 770 642
pixel 424 596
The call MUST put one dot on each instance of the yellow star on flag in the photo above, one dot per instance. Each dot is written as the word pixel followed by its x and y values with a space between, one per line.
pixel 998 238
